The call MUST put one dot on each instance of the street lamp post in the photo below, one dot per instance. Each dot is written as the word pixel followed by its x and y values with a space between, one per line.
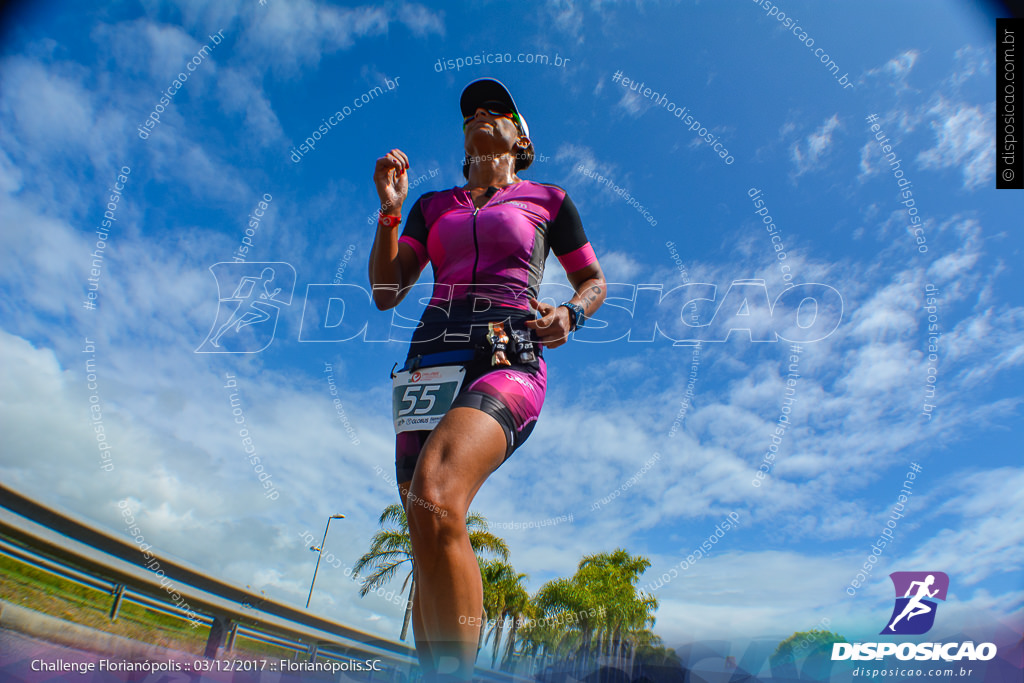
pixel 320 552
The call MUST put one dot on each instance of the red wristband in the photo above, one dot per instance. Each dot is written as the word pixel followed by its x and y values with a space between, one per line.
pixel 390 221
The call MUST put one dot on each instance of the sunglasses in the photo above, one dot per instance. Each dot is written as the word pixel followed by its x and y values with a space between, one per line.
pixel 497 110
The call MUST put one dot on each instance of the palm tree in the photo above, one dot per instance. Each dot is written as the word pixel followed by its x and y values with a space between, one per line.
pixel 392 547
pixel 504 599
pixel 615 575
pixel 534 634
pixel 602 595
pixel 570 604
pixel 651 651
pixel 517 607
pixel 389 549
pixel 494 575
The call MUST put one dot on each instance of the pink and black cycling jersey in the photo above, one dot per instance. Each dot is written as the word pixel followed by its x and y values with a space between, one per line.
pixel 498 251
pixel 487 263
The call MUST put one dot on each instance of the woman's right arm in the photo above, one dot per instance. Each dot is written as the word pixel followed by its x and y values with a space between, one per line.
pixel 393 267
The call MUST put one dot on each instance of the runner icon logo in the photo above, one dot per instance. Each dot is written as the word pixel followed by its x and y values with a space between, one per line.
pixel 916 592
pixel 247 317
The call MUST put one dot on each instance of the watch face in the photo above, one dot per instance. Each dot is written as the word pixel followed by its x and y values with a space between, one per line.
pixel 576 311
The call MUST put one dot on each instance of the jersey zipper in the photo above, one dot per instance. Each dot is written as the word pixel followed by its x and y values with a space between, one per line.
pixel 476 240
pixel 476 247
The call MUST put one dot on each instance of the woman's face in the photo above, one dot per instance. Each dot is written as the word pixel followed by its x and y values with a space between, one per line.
pixel 490 131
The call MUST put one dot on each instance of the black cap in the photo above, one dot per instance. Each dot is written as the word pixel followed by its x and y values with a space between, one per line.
pixel 489 90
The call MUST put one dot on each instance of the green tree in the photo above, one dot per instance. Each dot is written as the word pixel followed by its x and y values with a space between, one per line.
pixel 540 638
pixel 391 548
pixel 495 575
pixel 650 650
pixel 596 610
pixel 615 577
pixel 568 607
pixel 517 608
pixel 505 599
pixel 801 644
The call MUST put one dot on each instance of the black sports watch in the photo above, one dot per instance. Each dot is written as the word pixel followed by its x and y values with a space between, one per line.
pixel 576 315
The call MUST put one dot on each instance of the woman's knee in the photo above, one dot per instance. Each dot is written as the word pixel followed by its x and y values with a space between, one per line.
pixel 434 519
pixel 435 538
pixel 438 487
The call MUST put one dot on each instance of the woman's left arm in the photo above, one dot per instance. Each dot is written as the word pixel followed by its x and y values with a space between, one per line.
pixel 590 287
pixel 554 325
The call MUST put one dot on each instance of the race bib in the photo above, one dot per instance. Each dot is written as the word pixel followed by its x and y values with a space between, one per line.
pixel 420 398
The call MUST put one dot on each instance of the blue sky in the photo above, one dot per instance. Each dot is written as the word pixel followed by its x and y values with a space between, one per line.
pixel 75 86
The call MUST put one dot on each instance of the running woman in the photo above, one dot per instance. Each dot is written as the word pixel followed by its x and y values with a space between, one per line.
pixel 487 242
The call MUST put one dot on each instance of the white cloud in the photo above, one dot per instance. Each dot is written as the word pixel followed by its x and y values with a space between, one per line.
pixel 10 175
pixel 242 93
pixel 420 20
pixel 567 18
pixel 816 148
pixel 290 36
pixel 632 104
pixel 970 61
pixel 620 266
pixel 50 108
pixel 896 71
pixel 963 139
pixel 163 433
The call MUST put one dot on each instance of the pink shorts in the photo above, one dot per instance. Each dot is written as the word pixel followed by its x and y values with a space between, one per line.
pixel 512 395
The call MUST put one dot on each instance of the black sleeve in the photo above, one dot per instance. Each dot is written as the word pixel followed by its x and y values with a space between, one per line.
pixel 566 234
pixel 415 224
pixel 415 231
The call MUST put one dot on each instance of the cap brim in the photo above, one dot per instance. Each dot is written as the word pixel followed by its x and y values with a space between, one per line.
pixel 489 90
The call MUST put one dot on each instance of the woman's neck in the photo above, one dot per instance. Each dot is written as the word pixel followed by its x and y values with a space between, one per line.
pixel 492 172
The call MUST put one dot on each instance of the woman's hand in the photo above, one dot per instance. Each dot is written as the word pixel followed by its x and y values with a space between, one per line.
pixel 553 325
pixel 392 181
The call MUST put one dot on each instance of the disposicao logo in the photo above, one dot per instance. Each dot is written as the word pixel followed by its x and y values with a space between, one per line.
pixel 912 615
pixel 916 589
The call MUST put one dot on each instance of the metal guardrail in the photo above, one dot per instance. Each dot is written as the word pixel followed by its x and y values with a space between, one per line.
pixel 69 573
pixel 57 542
